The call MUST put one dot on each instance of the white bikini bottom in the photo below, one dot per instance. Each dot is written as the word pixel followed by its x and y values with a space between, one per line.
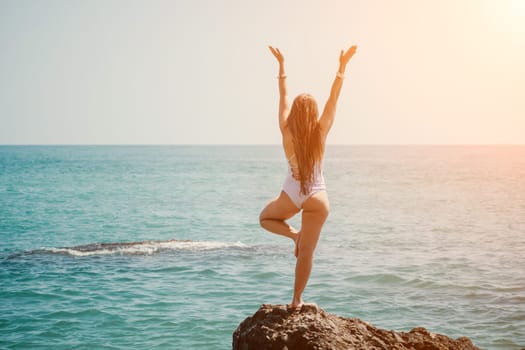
pixel 292 188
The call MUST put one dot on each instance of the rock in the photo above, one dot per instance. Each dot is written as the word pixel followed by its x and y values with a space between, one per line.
pixel 276 327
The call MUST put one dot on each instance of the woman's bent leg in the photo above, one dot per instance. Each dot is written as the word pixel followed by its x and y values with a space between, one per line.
pixel 273 216
pixel 315 212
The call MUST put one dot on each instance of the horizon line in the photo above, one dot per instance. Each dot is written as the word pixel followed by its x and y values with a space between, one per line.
pixel 258 144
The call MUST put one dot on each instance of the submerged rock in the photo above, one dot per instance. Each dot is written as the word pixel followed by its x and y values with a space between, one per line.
pixel 279 328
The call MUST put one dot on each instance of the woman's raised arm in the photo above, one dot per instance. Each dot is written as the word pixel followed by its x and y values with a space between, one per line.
pixel 327 118
pixel 284 109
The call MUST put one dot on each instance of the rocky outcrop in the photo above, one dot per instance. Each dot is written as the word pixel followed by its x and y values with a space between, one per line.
pixel 276 327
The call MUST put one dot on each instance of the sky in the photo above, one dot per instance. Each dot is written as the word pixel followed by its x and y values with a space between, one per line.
pixel 200 72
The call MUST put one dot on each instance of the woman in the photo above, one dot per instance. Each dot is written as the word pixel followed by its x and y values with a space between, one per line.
pixel 304 137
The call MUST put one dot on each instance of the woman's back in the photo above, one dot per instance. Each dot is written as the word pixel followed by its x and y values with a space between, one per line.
pixel 303 141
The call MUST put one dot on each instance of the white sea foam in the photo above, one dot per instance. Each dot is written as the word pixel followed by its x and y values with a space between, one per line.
pixel 140 248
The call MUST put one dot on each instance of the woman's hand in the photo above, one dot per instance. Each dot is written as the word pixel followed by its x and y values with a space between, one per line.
pixel 278 55
pixel 346 56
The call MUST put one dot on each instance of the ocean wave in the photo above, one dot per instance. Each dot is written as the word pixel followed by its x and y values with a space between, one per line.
pixel 384 278
pixel 135 248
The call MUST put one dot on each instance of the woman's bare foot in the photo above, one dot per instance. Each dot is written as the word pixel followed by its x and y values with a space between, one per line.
pixel 296 304
pixel 297 239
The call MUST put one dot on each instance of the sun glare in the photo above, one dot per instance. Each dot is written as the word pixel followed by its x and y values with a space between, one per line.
pixel 513 15
pixel 518 7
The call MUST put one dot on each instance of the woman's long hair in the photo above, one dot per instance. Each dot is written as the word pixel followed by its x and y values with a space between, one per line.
pixel 307 143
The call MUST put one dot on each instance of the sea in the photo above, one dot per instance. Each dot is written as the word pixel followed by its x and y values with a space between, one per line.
pixel 159 247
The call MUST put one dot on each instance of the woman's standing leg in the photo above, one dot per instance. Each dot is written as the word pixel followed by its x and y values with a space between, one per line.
pixel 273 216
pixel 315 212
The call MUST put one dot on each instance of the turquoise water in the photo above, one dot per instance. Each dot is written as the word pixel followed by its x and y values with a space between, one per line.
pixel 427 236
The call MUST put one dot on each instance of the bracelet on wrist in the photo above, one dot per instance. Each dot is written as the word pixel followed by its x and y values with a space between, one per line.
pixel 282 76
pixel 340 75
